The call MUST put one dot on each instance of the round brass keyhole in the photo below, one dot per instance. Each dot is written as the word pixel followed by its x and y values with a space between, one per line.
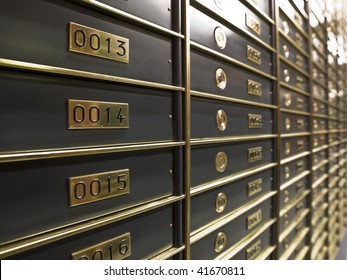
pixel 221 202
pixel 287 123
pixel 287 148
pixel 221 78
pixel 285 27
pixel 220 242
pixel 286 196
pixel 286 75
pixel 286 51
pixel 220 37
pixel 286 172
pixel 287 99
pixel 221 120
pixel 221 162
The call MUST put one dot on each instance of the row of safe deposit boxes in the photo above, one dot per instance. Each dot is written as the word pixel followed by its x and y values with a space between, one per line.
pixel 202 129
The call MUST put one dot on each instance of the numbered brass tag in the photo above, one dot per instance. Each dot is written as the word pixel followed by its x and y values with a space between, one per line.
pixel 221 120
pixel 287 148
pixel 254 219
pixel 90 41
pixel 221 202
pixel 254 88
pixel 253 24
pixel 299 61
pixel 253 55
pixel 221 78
pixel 220 242
pixel 84 114
pixel 255 121
pixel 287 99
pixel 221 162
pixel 255 187
pixel 255 154
pixel 300 123
pixel 299 103
pixel 95 187
pixel 117 248
pixel 220 37
pixel 253 251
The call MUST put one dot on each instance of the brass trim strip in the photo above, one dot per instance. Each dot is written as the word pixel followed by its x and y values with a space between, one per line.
pixel 333 131
pixel 81 151
pixel 319 229
pixel 216 224
pixel 40 68
pixel 301 255
pixel 27 243
pixel 168 253
pixel 319 213
pixel 324 71
pixel 293 43
pixel 295 134
pixel 294 202
pixel 320 100
pixel 298 239
pixel 319 181
pixel 318 246
pixel 229 179
pixel 125 15
pixel 231 99
pixel 297 220
pixel 230 139
pixel 266 253
pixel 233 250
pixel 319 165
pixel 323 55
pixel 294 180
pixel 293 65
pixel 228 59
pixel 318 82
pixel 295 112
pixel 285 85
pixel 334 143
pixel 297 26
pixel 320 198
pixel 321 148
pixel 292 158
pixel 258 11
pixel 320 132
pixel 321 116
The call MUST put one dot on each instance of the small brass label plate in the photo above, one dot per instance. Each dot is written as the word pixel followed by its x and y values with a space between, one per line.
pixel 220 242
pixel 254 88
pixel 117 248
pixel 300 103
pixel 300 82
pixel 255 121
pixel 255 187
pixel 221 202
pixel 253 55
pixel 255 154
pixel 90 41
pixel 254 219
pixel 253 24
pixel 300 145
pixel 299 61
pixel 84 114
pixel 253 251
pixel 95 187
pixel 300 123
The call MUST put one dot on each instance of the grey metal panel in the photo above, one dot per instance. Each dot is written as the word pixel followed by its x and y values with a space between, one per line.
pixel 293 169
pixel 235 13
pixel 320 108
pixel 320 156
pixel 42 202
pixel 318 75
pixel 36 112
pixel 294 14
pixel 294 146
pixel 320 124
pixel 319 92
pixel 263 5
pixel 203 168
pixel 294 123
pixel 150 234
pixel 320 140
pixel 292 77
pixel 286 243
pixel 202 32
pixel 235 231
pixel 155 11
pixel 294 101
pixel 290 216
pixel 203 68
pixel 42 36
pixel 319 59
pixel 287 195
pixel 203 206
pixel 288 51
pixel 203 119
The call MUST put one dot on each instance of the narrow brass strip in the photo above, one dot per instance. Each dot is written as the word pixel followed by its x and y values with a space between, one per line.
pixel 320 132
pixel 333 182
pixel 285 85
pixel 27 243
pixel 297 26
pixel 125 15
pixel 292 158
pixel 319 198
pixel 230 60
pixel 297 220
pixel 320 100
pixel 298 239
pixel 211 227
pixel 318 82
pixel 333 131
pixel 231 99
pixel 319 181
pixel 266 253
pixel 319 51
pixel 318 245
pixel 294 66
pixel 80 151
pixel 226 180
pixel 293 43
pixel 295 112
pixel 321 116
pixel 294 180
pixel 232 251
pixel 322 163
pixel 257 11
pixel 302 254
pixel 230 139
pixel 295 134
pixel 318 230
pixel 319 213
pixel 293 203
pixel 321 148
pixel 168 253
pixel 334 143
pixel 303 13
pixel 324 71
pixel 20 65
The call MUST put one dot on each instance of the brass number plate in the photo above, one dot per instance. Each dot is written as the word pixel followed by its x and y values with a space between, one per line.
pixel 254 250
pixel 254 219
pixel 254 88
pixel 253 55
pixel 114 249
pixel 94 187
pixel 255 187
pixel 299 103
pixel 299 61
pixel 255 154
pixel 255 121
pixel 85 114
pixel 89 41
pixel 253 24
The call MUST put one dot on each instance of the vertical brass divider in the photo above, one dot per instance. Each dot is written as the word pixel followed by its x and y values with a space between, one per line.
pixel 177 115
pixel 310 144
pixel 187 148
pixel 277 114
